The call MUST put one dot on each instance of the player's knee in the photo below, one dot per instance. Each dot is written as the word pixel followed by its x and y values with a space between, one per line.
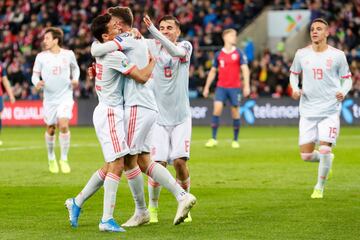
pixel 306 156
pixel 324 149
pixel 180 164
pixel 63 128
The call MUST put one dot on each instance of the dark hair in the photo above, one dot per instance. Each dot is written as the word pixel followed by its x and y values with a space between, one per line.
pixel 99 26
pixel 56 33
pixel 320 20
pixel 171 18
pixel 124 13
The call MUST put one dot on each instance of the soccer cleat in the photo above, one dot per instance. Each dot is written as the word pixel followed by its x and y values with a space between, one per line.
pixel 211 143
pixel 318 193
pixel 138 219
pixel 1 143
pixel 153 214
pixel 65 167
pixel 188 218
pixel 184 207
pixel 53 166
pixel 235 144
pixel 74 211
pixel 110 226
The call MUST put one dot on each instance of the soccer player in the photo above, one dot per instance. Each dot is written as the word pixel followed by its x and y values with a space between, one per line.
pixel 112 71
pixel 140 116
pixel 172 131
pixel 5 82
pixel 59 74
pixel 326 80
pixel 228 61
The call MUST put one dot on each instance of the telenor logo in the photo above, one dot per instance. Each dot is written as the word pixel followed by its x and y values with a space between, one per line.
pixel 246 111
pixel 346 111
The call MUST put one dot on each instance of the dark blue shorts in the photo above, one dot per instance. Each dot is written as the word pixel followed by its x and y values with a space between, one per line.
pixel 231 94
pixel 1 103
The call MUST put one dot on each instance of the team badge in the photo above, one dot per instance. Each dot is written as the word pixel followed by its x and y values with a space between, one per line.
pixel 234 56
pixel 125 63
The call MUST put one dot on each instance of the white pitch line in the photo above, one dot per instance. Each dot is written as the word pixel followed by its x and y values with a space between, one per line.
pixel 41 147
pixel 241 140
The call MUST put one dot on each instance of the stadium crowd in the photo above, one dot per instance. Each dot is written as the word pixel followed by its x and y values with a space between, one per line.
pixel 203 21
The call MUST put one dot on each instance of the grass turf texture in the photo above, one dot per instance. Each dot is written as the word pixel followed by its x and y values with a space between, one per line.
pixel 260 191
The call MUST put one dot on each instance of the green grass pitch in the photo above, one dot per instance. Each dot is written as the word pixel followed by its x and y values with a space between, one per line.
pixel 260 191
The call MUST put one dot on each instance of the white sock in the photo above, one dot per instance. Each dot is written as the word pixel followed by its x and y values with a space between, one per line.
pixel 94 183
pixel 50 145
pixel 64 140
pixel 324 166
pixel 184 184
pixel 110 188
pixel 136 184
pixel 154 189
pixel 161 175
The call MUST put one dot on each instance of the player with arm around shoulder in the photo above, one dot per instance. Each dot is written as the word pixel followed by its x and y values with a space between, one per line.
pixel 140 116
pixel 112 71
pixel 228 62
pixel 326 80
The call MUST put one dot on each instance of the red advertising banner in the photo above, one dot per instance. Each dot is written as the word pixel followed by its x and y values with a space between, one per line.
pixel 29 113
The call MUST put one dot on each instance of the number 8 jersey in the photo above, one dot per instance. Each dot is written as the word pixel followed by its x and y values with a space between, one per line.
pixel 322 73
pixel 171 83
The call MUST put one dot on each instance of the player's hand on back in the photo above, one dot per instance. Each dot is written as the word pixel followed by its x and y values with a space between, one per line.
pixel 340 96
pixel 136 33
pixel 147 21
pixel 296 95
pixel 91 71
pixel 40 85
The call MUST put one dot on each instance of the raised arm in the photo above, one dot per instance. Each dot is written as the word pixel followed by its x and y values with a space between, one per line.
pixel 173 50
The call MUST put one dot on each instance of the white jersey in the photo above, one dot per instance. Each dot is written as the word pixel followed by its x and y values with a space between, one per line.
pixel 111 71
pixel 57 71
pixel 321 79
pixel 171 83
pixel 135 94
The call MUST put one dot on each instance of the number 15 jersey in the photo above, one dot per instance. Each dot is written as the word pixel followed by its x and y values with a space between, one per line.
pixel 321 79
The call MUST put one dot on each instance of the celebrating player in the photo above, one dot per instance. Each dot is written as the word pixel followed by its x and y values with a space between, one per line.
pixel 56 66
pixel 112 70
pixel 228 61
pixel 5 82
pixel 326 80
pixel 140 116
pixel 172 132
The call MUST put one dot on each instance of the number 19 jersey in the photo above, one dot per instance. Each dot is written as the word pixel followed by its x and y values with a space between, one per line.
pixel 321 79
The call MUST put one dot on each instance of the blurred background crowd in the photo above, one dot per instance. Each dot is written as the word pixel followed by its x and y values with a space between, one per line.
pixel 202 22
